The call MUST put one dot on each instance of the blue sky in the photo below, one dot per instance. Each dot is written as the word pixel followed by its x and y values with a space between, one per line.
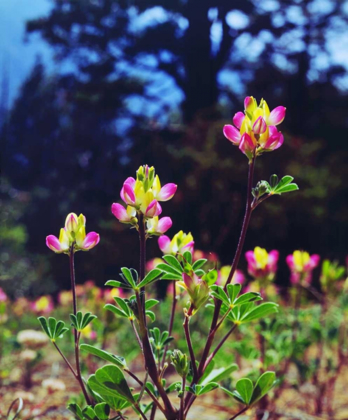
pixel 17 55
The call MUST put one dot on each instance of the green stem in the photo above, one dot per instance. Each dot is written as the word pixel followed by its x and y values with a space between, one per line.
pixel 76 334
pixel 189 343
pixel 171 322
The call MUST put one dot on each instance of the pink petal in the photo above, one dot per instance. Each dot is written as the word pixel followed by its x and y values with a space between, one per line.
pixel 314 261
pixel 232 134
pixel 250 257
pixel 129 181
pixel 238 119
pixel 164 224
pixel 164 244
pixel 153 209
pixel 259 126
pixel 275 140
pixel 53 243
pixel 128 194
pixel 290 261
pixel 167 192
pixel 277 115
pixel 120 212
pixel 238 277
pixel 246 144
pixel 91 240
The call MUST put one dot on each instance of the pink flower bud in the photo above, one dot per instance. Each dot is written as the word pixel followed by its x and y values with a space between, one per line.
pixel 232 134
pixel 164 224
pixel 238 119
pixel 91 240
pixel 120 213
pixel 71 222
pixel 247 145
pixel 127 194
pixel 167 192
pixel 153 209
pixel 53 244
pixel 259 126
pixel 275 140
pixel 164 244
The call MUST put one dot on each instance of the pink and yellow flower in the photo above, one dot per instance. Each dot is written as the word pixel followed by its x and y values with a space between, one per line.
pixel 238 276
pixel 73 236
pixel 180 243
pixel 254 131
pixel 158 227
pixel 262 265
pixel 42 305
pixel 301 265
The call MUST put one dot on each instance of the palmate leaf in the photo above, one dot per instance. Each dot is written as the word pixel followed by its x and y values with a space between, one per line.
pixel 53 328
pixel 173 262
pixel 152 276
pixel 80 321
pixel 249 394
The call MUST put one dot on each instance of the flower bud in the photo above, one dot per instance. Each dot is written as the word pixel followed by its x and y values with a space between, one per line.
pixel 179 361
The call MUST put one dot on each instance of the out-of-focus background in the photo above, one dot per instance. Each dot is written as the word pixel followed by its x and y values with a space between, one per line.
pixel 91 89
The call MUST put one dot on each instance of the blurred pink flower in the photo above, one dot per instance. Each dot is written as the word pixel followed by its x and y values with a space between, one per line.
pixel 301 266
pixel 3 296
pixel 42 305
pixel 262 264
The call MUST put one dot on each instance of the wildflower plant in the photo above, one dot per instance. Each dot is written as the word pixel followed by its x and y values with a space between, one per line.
pixel 107 392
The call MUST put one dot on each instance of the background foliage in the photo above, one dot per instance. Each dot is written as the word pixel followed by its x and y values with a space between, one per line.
pixel 153 82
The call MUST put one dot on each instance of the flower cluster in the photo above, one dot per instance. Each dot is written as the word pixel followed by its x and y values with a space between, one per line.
pixel 42 305
pixel 254 131
pixel 142 197
pixel 301 265
pixel 73 236
pixel 180 243
pixel 196 287
pixel 262 265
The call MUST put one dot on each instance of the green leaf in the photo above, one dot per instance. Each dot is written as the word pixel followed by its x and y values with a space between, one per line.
pixel 151 315
pixel 52 325
pixel 273 180
pixel 199 263
pixel 76 410
pixel 218 375
pixel 219 293
pixel 116 283
pixel 233 291
pixel 128 276
pixel 265 382
pixel 284 181
pixel 172 261
pixel 115 310
pixel 105 355
pixel 188 256
pixel 89 413
pixel 150 303
pixel 111 377
pixel 287 188
pixel 171 277
pixel 102 410
pixel 44 325
pixel 169 269
pixel 110 397
pixel 123 305
pixel 248 297
pixel 245 389
pixel 150 277
pixel 261 311
pixel 210 277
pixel 207 388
